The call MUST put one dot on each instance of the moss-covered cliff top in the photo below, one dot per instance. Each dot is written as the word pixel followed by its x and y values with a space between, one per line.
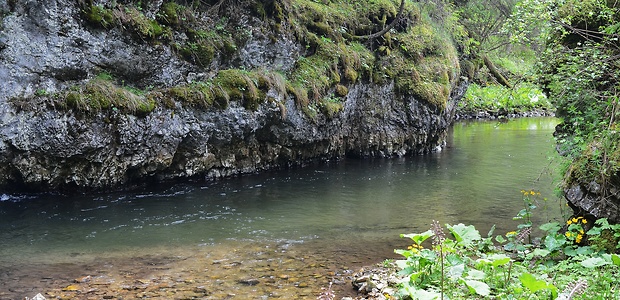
pixel 334 52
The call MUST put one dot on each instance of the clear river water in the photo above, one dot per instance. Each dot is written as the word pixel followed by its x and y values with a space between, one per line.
pixel 279 234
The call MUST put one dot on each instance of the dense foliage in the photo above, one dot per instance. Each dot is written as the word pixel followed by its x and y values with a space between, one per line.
pixel 580 71
pixel 499 67
pixel 500 100
pixel 461 264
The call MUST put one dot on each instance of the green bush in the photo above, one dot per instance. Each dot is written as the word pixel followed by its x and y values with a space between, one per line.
pixel 565 263
pixel 523 97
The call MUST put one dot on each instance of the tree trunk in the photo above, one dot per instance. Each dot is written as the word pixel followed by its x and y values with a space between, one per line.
pixel 500 78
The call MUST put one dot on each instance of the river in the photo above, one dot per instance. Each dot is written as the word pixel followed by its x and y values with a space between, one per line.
pixel 280 234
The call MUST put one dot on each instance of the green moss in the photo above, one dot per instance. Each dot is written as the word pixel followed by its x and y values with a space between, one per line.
pixel 75 100
pixel 350 74
pixel 341 90
pixel 98 15
pixel 200 53
pixel 300 94
pixel 331 106
pixel 322 28
pixel 469 70
pixel 99 94
pixel 416 55
pixel 429 80
pixel 142 25
pixel 105 76
pixel 170 13
pixel 197 94
pixel 331 109
pixel 221 97
pixel 240 86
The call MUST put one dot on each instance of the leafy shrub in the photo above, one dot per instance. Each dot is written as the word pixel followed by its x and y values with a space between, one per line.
pixel 560 265
pixel 523 97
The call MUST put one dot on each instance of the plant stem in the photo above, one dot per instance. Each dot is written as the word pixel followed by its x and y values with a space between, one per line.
pixel 442 267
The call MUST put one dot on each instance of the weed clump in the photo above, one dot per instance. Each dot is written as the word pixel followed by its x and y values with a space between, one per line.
pixel 99 94
pixel 463 264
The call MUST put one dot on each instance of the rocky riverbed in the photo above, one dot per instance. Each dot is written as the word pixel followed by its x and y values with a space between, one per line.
pixel 236 271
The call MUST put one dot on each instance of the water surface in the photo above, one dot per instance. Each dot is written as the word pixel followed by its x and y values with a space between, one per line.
pixel 292 230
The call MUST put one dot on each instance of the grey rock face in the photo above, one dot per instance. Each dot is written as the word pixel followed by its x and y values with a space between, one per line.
pixel 47 47
pixel 593 200
pixel 54 149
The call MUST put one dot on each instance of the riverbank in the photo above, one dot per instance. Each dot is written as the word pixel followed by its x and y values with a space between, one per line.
pixel 461 115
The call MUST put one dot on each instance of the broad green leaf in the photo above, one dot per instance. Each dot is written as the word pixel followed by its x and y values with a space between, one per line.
pixel 570 250
pixel 456 271
pixel 464 235
pixel 475 274
pixel 499 259
pixel 415 293
pixel 424 294
pixel 615 258
pixel 454 259
pixel 500 239
pixel 541 252
pixel 594 262
pixel 554 242
pixel 482 262
pixel 584 250
pixel 478 287
pixel 401 263
pixel 532 283
pixel 418 238
pixel 552 227
pixel 490 234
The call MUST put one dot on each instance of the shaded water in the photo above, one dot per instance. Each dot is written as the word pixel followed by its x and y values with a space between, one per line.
pixel 279 234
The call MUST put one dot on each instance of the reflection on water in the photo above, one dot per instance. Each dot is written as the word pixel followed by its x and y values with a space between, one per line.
pixel 334 209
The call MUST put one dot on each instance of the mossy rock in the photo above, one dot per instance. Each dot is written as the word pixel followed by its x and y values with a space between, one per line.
pixel 199 53
pixel 98 95
pixel 341 90
pixel 351 75
pixel 142 25
pixel 171 13
pixel 469 70
pixel 99 15
pixel 331 109
pixel 197 94
pixel 240 86
pixel 431 92
pixel 221 97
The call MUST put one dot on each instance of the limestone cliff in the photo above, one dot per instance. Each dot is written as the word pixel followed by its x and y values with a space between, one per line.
pixel 103 93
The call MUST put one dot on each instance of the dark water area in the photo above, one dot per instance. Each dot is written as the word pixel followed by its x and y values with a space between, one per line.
pixel 279 234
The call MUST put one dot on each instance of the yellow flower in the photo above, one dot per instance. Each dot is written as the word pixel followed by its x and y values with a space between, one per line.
pixel 409 247
pixel 575 220
pixel 581 231
pixel 584 221
pixel 511 233
pixel 532 193
pixel 569 222
pixel 578 239
pixel 567 234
